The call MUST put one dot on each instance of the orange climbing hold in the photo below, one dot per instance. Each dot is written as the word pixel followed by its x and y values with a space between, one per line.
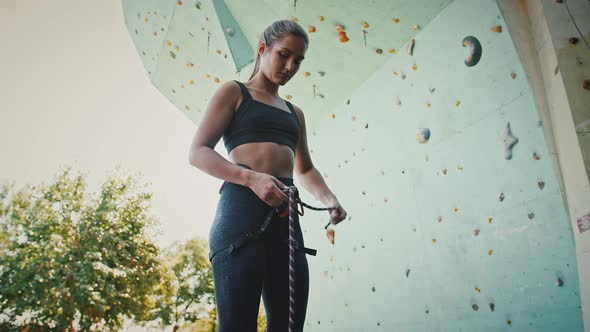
pixel 330 233
pixel 307 74
pixel 343 38
pixel 392 50
pixel 311 28
pixel 365 25
pixel 414 67
pixel 289 97
pixel 339 28
pixel 169 43
pixel 179 3
pixel 497 28
pixel 396 20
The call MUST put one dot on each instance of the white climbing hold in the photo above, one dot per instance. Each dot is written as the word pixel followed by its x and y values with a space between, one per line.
pixel 509 141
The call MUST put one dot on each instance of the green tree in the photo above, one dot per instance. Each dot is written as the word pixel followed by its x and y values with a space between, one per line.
pixel 71 260
pixel 190 296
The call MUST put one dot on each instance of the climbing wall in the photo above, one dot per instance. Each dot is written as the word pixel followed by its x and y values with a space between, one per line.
pixel 456 221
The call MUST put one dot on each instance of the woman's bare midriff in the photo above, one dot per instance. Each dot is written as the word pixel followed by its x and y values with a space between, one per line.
pixel 265 157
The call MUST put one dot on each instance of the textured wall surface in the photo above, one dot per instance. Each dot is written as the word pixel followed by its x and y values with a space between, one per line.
pixel 448 235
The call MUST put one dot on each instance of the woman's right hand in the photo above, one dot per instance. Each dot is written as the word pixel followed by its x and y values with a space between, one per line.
pixel 269 189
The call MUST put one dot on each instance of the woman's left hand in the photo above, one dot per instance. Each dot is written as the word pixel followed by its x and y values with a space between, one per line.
pixel 337 214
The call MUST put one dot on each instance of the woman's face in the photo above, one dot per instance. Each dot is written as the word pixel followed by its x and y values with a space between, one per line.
pixel 281 61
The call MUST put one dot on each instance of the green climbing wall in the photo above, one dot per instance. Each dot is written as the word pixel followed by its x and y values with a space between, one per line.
pixel 447 235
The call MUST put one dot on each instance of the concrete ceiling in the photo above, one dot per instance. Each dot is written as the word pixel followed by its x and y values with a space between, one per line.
pixel 187 51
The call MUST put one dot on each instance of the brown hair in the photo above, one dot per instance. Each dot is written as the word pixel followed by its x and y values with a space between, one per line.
pixel 276 31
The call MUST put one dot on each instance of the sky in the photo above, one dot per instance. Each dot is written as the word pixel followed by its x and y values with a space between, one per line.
pixel 73 91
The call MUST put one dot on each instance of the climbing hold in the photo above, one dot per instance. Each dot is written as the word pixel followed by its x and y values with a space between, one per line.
pixel 353 118
pixel 428 105
pixel 398 103
pixel 513 75
pixel 373 289
pixel 169 43
pixel 392 50
pixel 476 232
pixel 416 27
pixel 492 306
pixel 459 168
pixel 342 37
pixel 433 240
pixel 289 97
pixel 330 234
pixel 321 73
pixel 541 184
pixel 432 90
pixel 509 141
pixel 475 307
pixel 501 197
pixel 216 80
pixel 407 273
pixel 218 51
pixel 173 55
pixel 586 85
pixel 339 28
pixel 536 156
pixel 439 219
pixel 307 74
pixel 396 20
pixel 414 67
pixel 474 48
pixel 477 289
pixel 229 31
pixel 573 40
pixel 395 73
pixel 559 282
pixel 367 126
pixel 333 116
pixel 311 28
pixel 497 28
pixel 531 215
pixel 179 3
pixel 322 18
pixel 422 135
pixel 444 171
pixel 379 51
pixel 509 322
pixel 490 218
pixel 365 25
pixel 490 252
pixel 411 47
pixel 456 210
pixel 403 76
pixel 457 103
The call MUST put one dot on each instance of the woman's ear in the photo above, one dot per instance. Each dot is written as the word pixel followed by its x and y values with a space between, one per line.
pixel 261 48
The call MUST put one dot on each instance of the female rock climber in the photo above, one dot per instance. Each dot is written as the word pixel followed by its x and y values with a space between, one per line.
pixel 265 138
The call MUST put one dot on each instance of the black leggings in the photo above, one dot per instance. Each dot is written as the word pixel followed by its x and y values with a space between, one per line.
pixel 258 268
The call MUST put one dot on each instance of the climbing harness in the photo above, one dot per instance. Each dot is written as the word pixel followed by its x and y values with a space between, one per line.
pixel 291 209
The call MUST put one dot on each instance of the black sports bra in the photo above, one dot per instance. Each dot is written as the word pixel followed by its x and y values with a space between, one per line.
pixel 255 121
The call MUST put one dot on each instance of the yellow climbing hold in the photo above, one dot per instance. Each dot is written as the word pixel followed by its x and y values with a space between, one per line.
pixel 490 252
pixel 395 73
pixel 333 116
pixel 365 25
pixel 322 18
pixel 396 20
pixel 414 67
pixel 191 82
pixel 289 97
pixel 392 50
pixel 428 105
pixel 433 240
pixel 456 209
pixel 186 108
pixel 458 103
pixel 208 76
pixel 216 80
pixel 477 289
pixel 490 220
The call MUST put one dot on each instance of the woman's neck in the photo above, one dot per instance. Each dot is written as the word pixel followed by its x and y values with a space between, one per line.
pixel 264 85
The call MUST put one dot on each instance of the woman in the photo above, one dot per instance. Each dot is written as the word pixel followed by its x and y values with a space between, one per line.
pixel 265 138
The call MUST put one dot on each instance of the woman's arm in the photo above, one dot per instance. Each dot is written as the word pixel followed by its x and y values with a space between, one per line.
pixel 203 156
pixel 217 117
pixel 310 177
